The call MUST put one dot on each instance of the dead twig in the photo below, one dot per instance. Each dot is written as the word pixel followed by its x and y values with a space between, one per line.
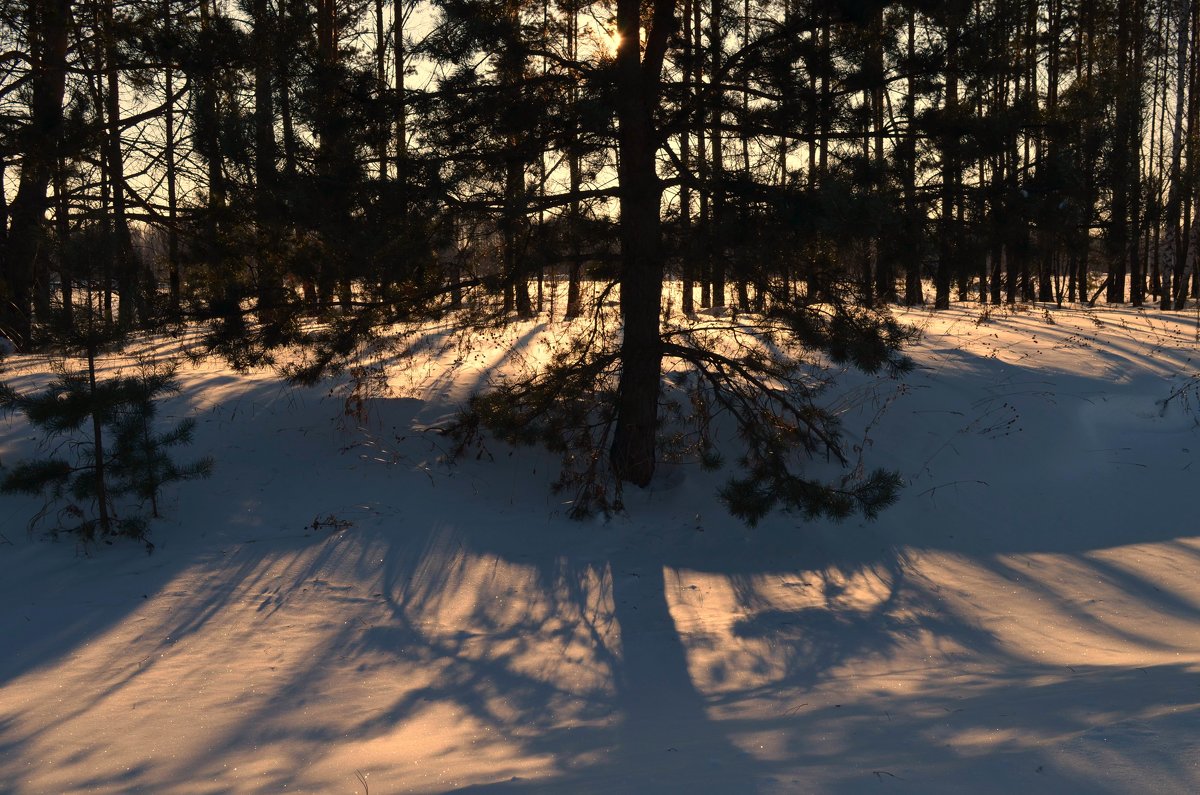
pixel 932 489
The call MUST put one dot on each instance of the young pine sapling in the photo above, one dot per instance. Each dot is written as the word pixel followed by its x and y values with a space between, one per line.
pixel 108 460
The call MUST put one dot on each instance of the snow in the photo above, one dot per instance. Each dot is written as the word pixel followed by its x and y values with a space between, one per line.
pixel 338 605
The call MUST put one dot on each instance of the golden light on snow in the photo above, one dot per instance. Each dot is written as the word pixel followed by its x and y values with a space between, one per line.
pixel 429 644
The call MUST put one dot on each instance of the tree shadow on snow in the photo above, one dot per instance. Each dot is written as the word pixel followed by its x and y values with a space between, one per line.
pixel 617 657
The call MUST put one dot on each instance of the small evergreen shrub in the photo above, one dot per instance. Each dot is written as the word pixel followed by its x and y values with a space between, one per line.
pixel 108 460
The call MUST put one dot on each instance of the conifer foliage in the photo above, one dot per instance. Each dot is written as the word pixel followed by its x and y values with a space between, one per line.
pixel 309 177
pixel 108 459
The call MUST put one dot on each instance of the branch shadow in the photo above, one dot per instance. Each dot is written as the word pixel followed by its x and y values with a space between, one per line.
pixel 435 645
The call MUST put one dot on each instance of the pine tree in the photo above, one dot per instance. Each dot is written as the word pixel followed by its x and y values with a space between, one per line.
pixel 108 460
pixel 602 402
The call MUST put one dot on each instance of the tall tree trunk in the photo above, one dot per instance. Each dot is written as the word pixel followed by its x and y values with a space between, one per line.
pixel 1192 209
pixel 743 296
pixel 1031 143
pixel 1090 154
pixel 132 303
pixel 687 248
pixel 789 25
pixel 999 204
pixel 3 219
pixel 885 277
pixel 62 226
pixel 24 254
pixel 1176 189
pixel 574 172
pixel 269 280
pixel 400 12
pixel 640 193
pixel 1050 236
pixel 947 248
pixel 173 277
pixel 700 124
pixel 290 153
pixel 913 295
pixel 383 133
pixel 717 219
pixel 1134 266
pixel 512 75
pixel 208 140
pixel 1119 229
pixel 825 103
pixel 334 163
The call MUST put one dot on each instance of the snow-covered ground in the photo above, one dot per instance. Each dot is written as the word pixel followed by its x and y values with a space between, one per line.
pixel 337 608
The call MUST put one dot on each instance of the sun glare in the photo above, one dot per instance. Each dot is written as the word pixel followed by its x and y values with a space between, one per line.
pixel 602 34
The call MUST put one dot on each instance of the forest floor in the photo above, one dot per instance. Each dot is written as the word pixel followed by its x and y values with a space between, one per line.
pixel 339 608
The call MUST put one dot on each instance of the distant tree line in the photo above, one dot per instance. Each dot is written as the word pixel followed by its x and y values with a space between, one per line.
pixel 261 164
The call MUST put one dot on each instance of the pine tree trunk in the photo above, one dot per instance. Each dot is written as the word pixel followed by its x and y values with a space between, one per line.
pixel 208 141
pixel 3 219
pixel 699 116
pixel 1134 267
pixel 383 133
pixel 511 74
pixel 131 298
pixel 24 255
pixel 62 225
pixel 913 295
pixel 1192 209
pixel 1028 152
pixel 1050 237
pixel 328 144
pixel 825 107
pixel 634 438
pixel 173 277
pixel 1084 237
pixel 268 286
pixel 400 11
pixel 687 248
pixel 717 220
pixel 947 248
pixel 1176 187
pixel 574 173
pixel 290 154
pixel 1120 237
pixel 885 277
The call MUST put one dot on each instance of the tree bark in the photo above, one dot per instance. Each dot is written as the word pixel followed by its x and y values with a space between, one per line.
pixel 885 277
pixel 575 172
pixel 173 278
pixel 1174 267
pixel 268 278
pixel 704 207
pixel 640 193
pixel 947 248
pixel 62 226
pixel 132 303
pixel 913 295
pixel 208 141
pixel 1119 233
pixel 512 76
pixel 400 9
pixel 717 220
pixel 685 156
pixel 24 254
